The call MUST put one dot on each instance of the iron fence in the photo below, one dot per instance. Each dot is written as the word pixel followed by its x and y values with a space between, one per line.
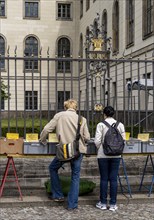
pixel 36 87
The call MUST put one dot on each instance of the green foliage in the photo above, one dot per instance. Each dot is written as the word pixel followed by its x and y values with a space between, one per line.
pixel 20 125
pixel 135 130
pixel 4 93
pixel 92 127
pixel 86 186
pixel 151 134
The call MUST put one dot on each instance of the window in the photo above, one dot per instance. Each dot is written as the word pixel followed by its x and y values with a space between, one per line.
pixel 104 27
pixel 81 52
pixel 102 95
pixel 81 8
pixel 2 103
pixel 94 94
pixel 2 52
pixel 31 49
pixel 87 4
pixel 62 96
pixel 87 37
pixel 147 76
pixel 64 11
pixel 63 51
pixel 31 9
pixel 115 26
pixel 96 29
pixel 2 8
pixel 130 22
pixel 114 94
pixel 31 100
pixel 148 18
pixel 129 82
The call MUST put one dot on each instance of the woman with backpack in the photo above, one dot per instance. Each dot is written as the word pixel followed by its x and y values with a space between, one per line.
pixel 109 139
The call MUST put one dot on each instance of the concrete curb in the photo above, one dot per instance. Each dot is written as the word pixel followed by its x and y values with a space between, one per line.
pixel 83 200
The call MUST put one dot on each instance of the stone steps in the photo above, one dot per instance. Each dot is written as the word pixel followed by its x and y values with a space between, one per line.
pixel 33 201
pixel 36 186
pixel 13 192
pixel 33 172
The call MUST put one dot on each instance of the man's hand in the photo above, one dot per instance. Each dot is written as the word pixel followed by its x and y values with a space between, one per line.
pixel 44 143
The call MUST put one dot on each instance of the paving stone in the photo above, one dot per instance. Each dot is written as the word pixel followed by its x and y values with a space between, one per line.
pixel 89 212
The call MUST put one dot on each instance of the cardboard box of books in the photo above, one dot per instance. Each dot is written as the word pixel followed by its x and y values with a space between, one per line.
pixel 11 144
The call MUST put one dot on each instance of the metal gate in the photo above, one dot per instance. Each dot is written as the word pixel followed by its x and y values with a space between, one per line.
pixel 35 88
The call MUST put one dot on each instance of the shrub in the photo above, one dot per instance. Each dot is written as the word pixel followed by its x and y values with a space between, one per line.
pixel 20 126
pixel 86 186
pixel 135 130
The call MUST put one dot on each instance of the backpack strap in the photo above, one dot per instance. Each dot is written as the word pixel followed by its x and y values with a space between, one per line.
pixel 106 123
pixel 78 128
pixel 116 124
pixel 113 125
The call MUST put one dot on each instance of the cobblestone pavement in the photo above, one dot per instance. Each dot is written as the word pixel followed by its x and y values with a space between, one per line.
pixel 84 212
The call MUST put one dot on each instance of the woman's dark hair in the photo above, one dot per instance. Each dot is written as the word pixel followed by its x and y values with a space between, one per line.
pixel 108 111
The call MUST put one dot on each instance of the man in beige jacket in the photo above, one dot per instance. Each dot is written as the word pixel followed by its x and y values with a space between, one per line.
pixel 65 123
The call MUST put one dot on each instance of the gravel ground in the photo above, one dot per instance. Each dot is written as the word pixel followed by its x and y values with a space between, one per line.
pixel 84 212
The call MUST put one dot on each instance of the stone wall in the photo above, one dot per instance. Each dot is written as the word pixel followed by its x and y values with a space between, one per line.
pixel 33 172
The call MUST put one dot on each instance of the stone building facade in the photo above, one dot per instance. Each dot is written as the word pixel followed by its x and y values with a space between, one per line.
pixel 49 29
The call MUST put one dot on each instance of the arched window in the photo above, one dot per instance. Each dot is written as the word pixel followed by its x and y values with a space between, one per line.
pixel 81 8
pixel 81 52
pixel 130 14
pixel 64 49
pixel 104 27
pixel 87 4
pixel 2 8
pixel 96 29
pixel 87 32
pixel 87 37
pixel 115 26
pixel 148 17
pixel 31 49
pixel 2 52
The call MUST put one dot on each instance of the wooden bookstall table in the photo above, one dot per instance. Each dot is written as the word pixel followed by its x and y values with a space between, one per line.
pixel 14 147
pixel 141 146
pixel 12 144
pixel 20 149
pixel 147 147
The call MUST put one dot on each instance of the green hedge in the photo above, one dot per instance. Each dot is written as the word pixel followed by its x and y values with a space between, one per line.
pixel 135 130
pixel 20 126
pixel 20 130
pixel 86 186
pixel 37 130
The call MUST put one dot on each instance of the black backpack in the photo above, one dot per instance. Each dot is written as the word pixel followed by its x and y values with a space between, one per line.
pixel 113 144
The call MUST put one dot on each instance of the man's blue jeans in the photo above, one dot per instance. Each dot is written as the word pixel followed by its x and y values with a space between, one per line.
pixel 72 199
pixel 108 168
